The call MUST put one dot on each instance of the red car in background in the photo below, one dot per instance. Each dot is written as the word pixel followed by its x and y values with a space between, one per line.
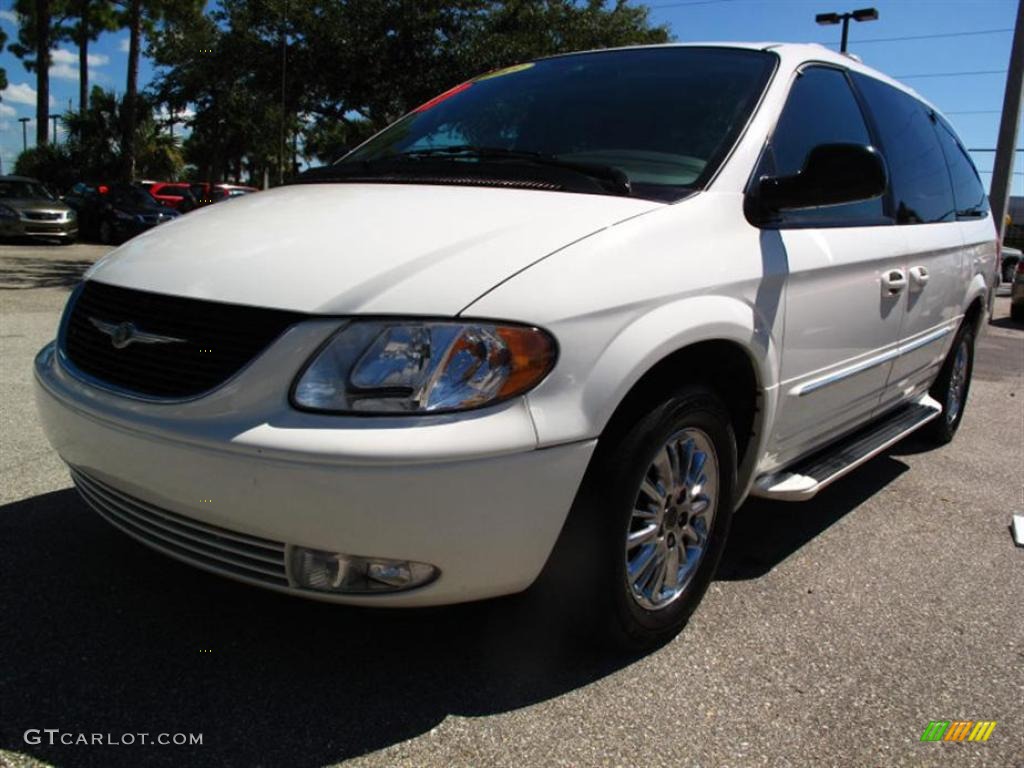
pixel 173 194
pixel 207 193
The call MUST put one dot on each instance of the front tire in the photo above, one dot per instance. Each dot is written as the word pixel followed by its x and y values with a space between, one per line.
pixel 652 517
pixel 952 386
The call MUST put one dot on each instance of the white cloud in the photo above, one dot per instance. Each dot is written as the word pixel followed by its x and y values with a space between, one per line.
pixel 180 117
pixel 21 93
pixel 124 44
pixel 10 16
pixel 6 111
pixel 64 56
pixel 65 64
pixel 64 72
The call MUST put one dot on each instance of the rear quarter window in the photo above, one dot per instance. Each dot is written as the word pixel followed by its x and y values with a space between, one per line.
pixel 968 192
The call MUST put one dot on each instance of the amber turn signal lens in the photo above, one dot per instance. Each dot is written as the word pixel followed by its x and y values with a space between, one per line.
pixel 531 357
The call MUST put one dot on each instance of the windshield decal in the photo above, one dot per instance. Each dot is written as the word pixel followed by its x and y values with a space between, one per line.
pixel 505 71
pixel 446 95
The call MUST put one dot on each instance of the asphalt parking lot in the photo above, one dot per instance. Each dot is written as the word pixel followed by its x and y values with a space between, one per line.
pixel 836 630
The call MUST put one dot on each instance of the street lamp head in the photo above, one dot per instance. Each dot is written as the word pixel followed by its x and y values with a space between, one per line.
pixel 827 18
pixel 865 14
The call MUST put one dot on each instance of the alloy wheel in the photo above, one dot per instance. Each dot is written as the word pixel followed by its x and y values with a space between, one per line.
pixel 957 382
pixel 671 521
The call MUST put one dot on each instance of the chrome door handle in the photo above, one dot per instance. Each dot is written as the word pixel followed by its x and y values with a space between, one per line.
pixel 893 282
pixel 918 277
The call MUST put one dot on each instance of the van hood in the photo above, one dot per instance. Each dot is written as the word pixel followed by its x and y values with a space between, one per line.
pixel 359 248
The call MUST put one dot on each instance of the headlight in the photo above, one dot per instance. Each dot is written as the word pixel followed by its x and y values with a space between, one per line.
pixel 70 215
pixel 6 212
pixel 423 367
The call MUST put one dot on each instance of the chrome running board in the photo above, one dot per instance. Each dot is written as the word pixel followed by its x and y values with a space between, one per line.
pixel 800 481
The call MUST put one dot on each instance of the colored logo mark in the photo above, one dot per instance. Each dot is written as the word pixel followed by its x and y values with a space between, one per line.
pixel 958 730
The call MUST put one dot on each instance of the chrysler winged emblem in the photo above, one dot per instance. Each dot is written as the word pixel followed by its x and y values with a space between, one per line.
pixel 123 334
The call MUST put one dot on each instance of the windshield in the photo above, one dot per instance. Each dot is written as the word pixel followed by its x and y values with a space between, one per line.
pixel 664 117
pixel 26 190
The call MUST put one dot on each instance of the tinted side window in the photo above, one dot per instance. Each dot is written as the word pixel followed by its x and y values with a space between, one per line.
pixel 917 168
pixel 821 109
pixel 968 192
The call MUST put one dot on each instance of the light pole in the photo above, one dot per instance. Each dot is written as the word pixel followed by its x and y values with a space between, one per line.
pixel 862 14
pixel 24 132
pixel 54 119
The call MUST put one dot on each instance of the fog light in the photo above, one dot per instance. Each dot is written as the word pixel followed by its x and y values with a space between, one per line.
pixel 349 574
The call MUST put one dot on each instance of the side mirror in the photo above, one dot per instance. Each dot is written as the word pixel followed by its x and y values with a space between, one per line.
pixel 833 174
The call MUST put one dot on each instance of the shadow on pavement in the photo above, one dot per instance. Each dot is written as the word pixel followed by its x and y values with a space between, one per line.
pixel 765 532
pixel 19 272
pixel 101 635
pixel 1007 322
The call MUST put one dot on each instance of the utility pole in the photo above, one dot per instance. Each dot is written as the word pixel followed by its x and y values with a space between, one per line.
pixel 53 119
pixel 24 132
pixel 1002 171
pixel 862 14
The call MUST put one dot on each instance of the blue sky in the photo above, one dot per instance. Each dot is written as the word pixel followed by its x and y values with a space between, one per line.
pixel 970 101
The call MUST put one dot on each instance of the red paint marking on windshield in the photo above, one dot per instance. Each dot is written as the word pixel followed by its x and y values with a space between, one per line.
pixel 446 95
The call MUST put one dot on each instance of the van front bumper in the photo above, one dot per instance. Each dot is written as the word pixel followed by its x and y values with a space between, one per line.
pixel 226 498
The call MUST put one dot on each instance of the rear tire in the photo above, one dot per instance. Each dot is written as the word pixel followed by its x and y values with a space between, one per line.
pixel 952 386
pixel 1008 271
pixel 106 233
pixel 639 592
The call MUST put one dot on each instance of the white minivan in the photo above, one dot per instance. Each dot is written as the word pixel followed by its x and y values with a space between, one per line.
pixel 562 319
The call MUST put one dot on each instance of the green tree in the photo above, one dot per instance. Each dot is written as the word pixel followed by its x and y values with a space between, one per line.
pixel 3 72
pixel 86 20
pixel 351 67
pixel 39 22
pixel 144 16
pixel 96 140
pixel 50 163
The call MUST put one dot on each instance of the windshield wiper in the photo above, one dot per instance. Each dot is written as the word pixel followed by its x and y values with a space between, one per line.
pixel 618 180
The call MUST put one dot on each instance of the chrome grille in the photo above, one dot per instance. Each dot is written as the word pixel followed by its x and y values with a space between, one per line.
pixel 43 215
pixel 201 544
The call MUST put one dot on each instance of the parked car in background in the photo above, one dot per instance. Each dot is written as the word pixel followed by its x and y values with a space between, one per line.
pixel 1017 293
pixel 583 307
pixel 174 194
pixel 29 209
pixel 1008 267
pixel 114 213
pixel 207 193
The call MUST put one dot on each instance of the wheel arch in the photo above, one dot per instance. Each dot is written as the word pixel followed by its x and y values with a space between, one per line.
pixel 738 362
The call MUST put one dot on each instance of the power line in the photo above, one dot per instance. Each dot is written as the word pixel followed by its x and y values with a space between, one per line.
pixel 975 112
pixel 928 37
pixel 953 74
pixel 689 2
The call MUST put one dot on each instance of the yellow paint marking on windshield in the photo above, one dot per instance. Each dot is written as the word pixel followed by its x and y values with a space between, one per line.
pixel 505 71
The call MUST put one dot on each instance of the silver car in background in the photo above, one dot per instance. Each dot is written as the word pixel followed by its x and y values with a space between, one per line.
pixel 28 209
